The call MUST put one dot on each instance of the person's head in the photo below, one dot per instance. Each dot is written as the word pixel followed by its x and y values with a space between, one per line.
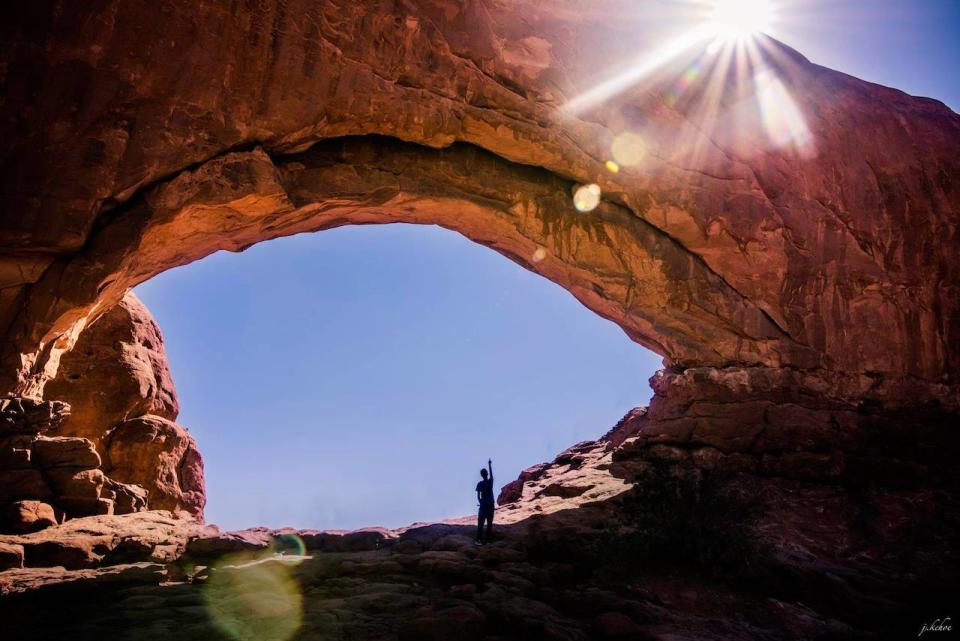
pixel 483 473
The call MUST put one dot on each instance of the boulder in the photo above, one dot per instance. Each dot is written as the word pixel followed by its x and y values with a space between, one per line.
pixel 513 491
pixel 160 456
pixel 126 498
pixel 117 370
pixel 72 484
pixel 23 517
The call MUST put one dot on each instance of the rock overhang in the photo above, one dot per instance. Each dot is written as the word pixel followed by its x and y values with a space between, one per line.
pixel 834 250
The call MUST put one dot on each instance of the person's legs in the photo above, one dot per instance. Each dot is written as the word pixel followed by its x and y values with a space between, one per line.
pixel 486 514
pixel 480 525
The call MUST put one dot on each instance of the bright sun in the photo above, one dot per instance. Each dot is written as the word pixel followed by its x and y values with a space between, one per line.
pixel 740 19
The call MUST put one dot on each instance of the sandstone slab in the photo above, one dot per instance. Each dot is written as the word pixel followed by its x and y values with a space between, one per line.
pixel 65 451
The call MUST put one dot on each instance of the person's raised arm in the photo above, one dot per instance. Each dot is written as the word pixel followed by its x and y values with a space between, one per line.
pixel 490 468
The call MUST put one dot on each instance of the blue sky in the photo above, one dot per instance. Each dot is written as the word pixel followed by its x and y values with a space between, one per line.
pixel 362 376
pixel 913 45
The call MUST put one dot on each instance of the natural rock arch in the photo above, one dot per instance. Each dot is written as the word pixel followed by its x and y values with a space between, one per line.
pixel 715 250
pixel 621 267
pixel 804 291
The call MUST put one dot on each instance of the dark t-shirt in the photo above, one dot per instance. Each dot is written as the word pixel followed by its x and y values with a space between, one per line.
pixel 485 488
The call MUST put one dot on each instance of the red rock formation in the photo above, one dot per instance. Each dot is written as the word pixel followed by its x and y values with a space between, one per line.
pixel 804 295
pixel 108 539
pixel 118 384
pixel 117 370
pixel 62 470
pixel 162 457
pixel 717 248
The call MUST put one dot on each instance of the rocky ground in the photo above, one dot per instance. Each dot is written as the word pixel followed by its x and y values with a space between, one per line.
pixel 427 582
pixel 151 575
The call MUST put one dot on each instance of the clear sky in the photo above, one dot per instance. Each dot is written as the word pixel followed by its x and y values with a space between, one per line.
pixel 362 376
pixel 913 45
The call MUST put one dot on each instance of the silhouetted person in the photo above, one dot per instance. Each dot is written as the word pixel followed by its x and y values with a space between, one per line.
pixel 485 498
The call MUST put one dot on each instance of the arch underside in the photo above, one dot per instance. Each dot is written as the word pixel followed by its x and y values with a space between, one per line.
pixel 614 262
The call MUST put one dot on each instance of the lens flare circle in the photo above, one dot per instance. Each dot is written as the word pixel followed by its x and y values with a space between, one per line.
pixel 741 19
pixel 627 149
pixel 586 197
pixel 288 543
pixel 257 599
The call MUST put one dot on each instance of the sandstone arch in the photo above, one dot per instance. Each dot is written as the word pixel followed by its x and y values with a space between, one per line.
pixel 805 297
pixel 829 274
pixel 840 245
pixel 840 264
pixel 619 266
pixel 771 277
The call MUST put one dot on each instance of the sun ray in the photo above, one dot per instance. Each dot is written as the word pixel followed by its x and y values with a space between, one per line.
pixel 638 71
pixel 725 78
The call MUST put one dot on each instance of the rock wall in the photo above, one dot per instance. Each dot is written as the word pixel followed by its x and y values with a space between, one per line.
pixel 45 479
pixel 117 370
pixel 113 416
